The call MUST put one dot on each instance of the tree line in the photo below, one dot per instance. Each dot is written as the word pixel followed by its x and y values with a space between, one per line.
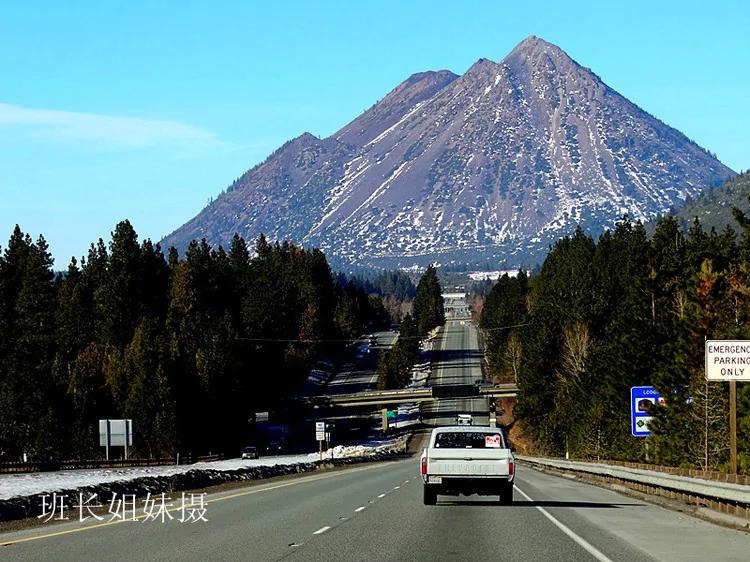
pixel 394 365
pixel 395 288
pixel 626 310
pixel 188 348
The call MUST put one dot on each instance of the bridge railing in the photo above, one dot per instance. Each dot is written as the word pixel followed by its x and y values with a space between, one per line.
pixel 417 394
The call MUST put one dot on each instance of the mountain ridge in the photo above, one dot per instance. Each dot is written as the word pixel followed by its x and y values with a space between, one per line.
pixel 713 207
pixel 496 163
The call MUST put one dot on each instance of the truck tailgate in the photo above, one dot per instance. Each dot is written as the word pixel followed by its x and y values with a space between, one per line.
pixel 468 462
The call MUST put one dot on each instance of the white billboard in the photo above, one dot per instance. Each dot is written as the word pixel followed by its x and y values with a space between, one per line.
pixel 728 360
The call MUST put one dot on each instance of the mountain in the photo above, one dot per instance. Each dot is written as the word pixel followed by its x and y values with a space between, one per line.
pixel 714 206
pixel 495 164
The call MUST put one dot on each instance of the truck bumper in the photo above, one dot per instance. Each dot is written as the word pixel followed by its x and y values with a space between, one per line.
pixel 468 486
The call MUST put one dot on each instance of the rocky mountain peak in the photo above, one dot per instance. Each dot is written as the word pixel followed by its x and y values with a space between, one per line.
pixel 533 45
pixel 493 165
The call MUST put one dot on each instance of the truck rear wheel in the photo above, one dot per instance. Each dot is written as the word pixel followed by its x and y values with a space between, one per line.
pixel 506 494
pixel 429 496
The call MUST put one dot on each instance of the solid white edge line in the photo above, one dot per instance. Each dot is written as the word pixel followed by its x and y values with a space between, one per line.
pixel 583 543
pixel 321 530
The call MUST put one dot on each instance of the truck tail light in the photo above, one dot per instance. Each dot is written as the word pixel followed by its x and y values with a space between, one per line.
pixel 511 468
pixel 424 466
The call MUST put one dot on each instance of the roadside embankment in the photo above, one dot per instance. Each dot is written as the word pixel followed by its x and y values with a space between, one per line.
pixel 22 495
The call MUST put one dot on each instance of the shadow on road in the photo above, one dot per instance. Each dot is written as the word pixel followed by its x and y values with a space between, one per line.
pixel 446 355
pixel 546 503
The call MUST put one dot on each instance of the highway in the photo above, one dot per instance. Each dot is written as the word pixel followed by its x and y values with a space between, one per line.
pixel 357 375
pixel 375 512
pixel 361 375
pixel 456 360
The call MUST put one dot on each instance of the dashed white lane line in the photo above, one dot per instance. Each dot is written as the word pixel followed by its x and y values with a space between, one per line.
pixel 587 546
pixel 360 508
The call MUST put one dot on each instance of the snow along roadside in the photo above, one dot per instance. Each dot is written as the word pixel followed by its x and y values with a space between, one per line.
pixel 21 494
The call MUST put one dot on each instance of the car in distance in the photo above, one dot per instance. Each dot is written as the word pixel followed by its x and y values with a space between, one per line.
pixel 467 460
pixel 273 448
pixel 250 452
pixel 464 419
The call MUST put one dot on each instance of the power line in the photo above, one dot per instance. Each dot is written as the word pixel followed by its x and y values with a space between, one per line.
pixel 505 327
pixel 297 340
pixel 359 340
pixel 322 340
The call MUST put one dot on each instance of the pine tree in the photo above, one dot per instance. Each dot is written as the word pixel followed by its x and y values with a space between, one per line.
pixel 149 401
pixel 428 302
pixel 28 394
pixel 117 297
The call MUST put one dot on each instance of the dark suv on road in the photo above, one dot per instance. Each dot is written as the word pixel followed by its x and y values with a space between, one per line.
pixel 250 452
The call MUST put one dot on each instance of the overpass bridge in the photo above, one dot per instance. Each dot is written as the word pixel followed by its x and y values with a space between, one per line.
pixel 383 398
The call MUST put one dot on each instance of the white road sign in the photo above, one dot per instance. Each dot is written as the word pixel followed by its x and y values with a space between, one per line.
pixel 320 431
pixel 728 360
pixel 116 433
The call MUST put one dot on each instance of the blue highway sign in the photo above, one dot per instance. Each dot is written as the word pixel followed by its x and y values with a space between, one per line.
pixel 641 398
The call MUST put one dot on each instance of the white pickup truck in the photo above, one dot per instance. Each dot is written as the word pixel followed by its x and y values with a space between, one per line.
pixel 468 460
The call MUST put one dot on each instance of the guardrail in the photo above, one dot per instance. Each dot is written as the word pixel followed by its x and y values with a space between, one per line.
pixel 502 390
pixel 714 475
pixel 78 464
pixel 722 496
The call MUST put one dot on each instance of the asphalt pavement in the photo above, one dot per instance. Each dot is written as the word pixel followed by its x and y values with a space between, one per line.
pixel 456 360
pixel 361 375
pixel 375 512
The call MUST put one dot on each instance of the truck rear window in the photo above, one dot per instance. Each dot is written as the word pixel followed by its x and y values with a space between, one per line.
pixel 468 440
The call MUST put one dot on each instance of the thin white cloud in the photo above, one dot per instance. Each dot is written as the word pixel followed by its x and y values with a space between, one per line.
pixel 135 132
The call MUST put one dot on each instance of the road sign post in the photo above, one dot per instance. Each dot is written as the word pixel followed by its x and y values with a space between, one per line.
pixel 320 435
pixel 733 425
pixel 729 360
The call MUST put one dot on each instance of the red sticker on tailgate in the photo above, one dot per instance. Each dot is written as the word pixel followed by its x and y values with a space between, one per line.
pixel 492 441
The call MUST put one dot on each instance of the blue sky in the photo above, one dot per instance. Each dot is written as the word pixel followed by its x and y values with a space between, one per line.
pixel 145 110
